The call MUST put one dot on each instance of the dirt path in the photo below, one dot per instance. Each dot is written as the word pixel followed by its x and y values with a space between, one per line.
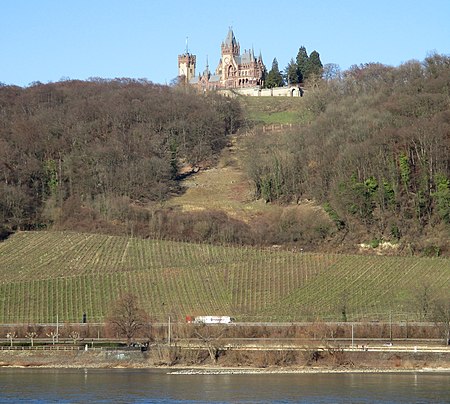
pixel 224 187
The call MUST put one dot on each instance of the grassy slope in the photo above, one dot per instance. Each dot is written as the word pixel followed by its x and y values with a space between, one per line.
pixel 276 110
pixel 43 274
pixel 225 187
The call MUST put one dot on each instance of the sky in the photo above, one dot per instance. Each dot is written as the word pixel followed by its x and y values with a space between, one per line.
pixel 53 40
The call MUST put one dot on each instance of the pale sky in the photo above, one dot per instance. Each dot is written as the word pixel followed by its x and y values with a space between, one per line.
pixel 50 40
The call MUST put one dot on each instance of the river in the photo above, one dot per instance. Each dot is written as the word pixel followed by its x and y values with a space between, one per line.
pixel 157 386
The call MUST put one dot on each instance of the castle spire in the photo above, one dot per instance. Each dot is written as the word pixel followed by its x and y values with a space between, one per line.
pixel 230 39
pixel 207 73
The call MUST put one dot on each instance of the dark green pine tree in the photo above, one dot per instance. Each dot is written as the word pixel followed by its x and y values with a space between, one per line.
pixel 315 66
pixel 291 73
pixel 302 64
pixel 274 78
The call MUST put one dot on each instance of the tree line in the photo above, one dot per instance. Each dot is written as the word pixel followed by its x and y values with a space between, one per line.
pixel 303 68
pixel 76 149
pixel 376 154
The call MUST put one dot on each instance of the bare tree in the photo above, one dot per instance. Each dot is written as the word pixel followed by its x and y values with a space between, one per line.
pixel 53 335
pixel 212 342
pixel 11 335
pixel 126 317
pixel 423 300
pixel 441 316
pixel 74 336
pixel 31 335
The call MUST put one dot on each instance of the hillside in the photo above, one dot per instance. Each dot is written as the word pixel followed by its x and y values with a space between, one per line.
pixel 372 148
pixel 226 187
pixel 275 110
pixel 48 274
pixel 83 154
pixel 361 159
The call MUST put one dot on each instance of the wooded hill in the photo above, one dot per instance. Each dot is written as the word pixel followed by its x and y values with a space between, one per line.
pixel 375 153
pixel 370 149
pixel 74 151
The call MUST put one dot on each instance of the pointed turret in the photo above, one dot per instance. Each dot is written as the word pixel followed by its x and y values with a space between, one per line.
pixel 231 45
pixel 207 73
pixel 231 39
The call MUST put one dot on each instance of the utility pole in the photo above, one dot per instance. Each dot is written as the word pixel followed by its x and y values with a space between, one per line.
pixel 57 313
pixel 390 325
pixel 352 337
pixel 168 331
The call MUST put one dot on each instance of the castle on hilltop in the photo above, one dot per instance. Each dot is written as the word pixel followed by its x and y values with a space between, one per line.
pixel 234 71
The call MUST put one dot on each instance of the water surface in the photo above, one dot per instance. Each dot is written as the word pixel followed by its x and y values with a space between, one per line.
pixel 156 386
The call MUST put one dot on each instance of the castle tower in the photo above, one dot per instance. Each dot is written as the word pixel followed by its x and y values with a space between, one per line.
pixel 230 51
pixel 230 46
pixel 186 65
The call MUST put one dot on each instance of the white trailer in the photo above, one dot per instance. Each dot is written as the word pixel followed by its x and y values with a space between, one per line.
pixel 213 320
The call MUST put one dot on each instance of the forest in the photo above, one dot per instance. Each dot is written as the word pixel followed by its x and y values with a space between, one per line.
pixel 371 151
pixel 77 151
pixel 375 154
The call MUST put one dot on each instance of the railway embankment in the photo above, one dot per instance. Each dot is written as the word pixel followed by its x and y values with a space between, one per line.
pixel 289 359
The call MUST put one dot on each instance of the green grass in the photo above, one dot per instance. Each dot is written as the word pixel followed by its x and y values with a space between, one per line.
pixel 48 274
pixel 282 117
pixel 275 110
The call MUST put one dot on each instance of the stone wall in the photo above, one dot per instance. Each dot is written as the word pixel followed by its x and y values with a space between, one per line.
pixel 290 91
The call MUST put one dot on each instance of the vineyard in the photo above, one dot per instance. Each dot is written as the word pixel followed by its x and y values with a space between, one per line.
pixel 50 275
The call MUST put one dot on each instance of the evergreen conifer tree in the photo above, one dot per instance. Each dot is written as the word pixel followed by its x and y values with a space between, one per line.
pixel 314 65
pixel 302 64
pixel 291 73
pixel 274 78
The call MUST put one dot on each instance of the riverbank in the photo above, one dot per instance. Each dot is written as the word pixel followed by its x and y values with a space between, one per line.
pixel 234 362
pixel 313 370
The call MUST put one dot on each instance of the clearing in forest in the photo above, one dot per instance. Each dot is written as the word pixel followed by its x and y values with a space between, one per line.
pixel 225 186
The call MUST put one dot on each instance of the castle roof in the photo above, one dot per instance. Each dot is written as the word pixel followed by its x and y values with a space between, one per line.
pixel 215 78
pixel 230 39
pixel 247 57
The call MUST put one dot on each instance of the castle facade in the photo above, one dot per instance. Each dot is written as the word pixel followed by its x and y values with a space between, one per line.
pixel 234 70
